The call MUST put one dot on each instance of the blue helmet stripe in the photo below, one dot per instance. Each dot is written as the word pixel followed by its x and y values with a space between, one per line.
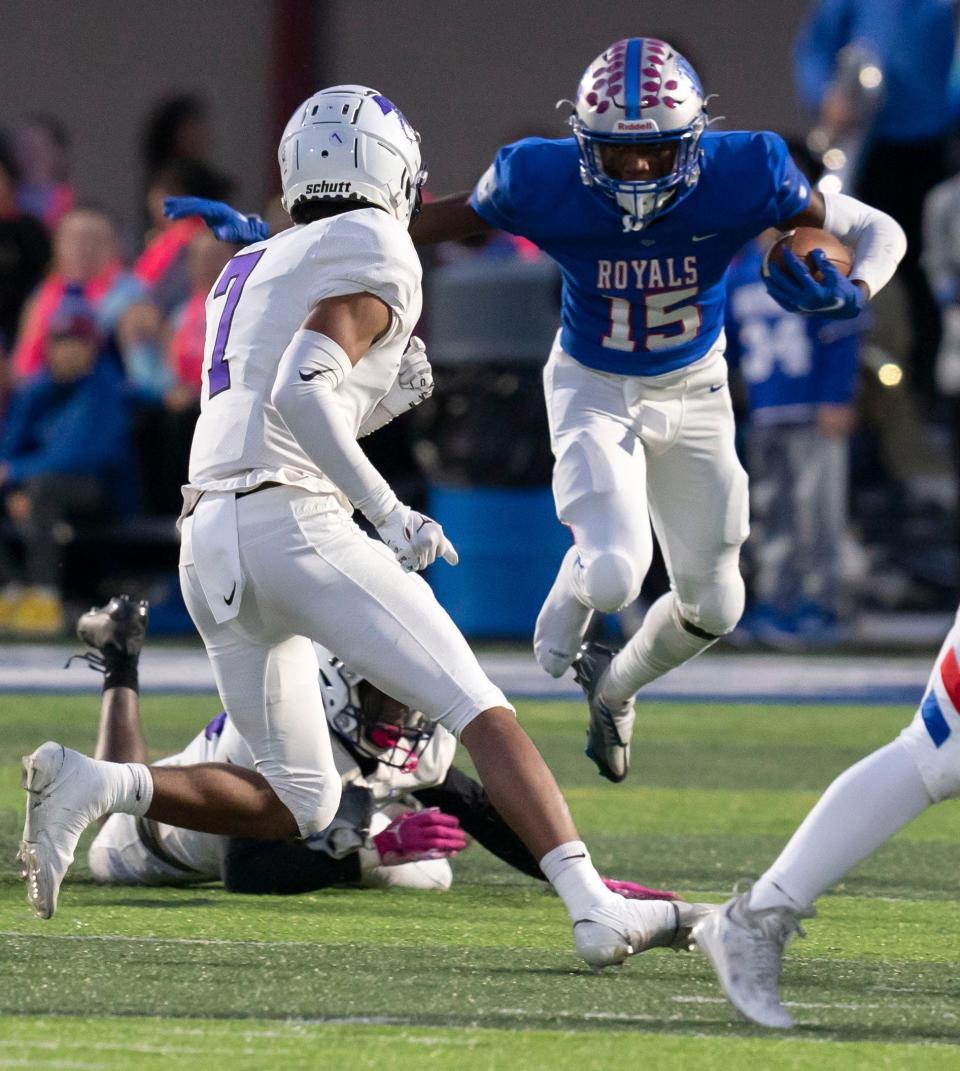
pixel 632 65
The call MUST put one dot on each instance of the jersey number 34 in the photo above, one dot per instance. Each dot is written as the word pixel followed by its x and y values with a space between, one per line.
pixel 669 309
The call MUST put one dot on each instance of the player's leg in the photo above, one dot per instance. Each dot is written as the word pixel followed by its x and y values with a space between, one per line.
pixel 269 685
pixel 698 502
pixel 352 595
pixel 863 808
pixel 599 491
pixel 116 632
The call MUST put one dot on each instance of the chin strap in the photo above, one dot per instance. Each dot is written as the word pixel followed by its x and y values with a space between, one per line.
pixel 631 223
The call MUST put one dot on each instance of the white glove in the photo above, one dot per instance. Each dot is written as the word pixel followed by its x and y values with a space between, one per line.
pixel 415 539
pixel 413 385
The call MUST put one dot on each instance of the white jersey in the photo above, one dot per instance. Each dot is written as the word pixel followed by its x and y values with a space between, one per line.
pixel 253 310
pixel 200 854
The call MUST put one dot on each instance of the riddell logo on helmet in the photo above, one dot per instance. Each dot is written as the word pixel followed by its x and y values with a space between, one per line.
pixel 637 126
pixel 328 187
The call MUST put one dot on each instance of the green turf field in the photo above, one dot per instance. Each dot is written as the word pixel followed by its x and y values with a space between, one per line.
pixel 485 976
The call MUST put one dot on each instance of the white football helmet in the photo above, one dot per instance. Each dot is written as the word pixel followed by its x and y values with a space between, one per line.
pixel 640 92
pixel 350 143
pixel 369 722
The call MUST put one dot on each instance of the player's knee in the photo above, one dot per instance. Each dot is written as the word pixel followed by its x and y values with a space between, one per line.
pixel 937 757
pixel 610 582
pixel 311 796
pixel 717 606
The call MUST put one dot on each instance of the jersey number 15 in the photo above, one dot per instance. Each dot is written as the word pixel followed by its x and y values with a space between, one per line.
pixel 663 309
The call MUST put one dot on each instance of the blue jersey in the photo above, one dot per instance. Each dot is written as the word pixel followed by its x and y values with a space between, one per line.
pixel 642 303
pixel 789 363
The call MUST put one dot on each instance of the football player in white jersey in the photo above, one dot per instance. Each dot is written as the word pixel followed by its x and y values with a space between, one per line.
pixel 863 808
pixel 307 334
pixel 404 811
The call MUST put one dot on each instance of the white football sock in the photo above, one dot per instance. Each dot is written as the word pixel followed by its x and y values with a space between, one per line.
pixel 661 644
pixel 130 786
pixel 861 810
pixel 570 871
pixel 562 621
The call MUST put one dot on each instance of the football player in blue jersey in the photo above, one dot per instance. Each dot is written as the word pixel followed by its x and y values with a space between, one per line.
pixel 643 209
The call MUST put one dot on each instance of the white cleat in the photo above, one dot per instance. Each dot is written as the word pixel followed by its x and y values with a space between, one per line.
pixel 746 950
pixel 611 726
pixel 65 793
pixel 612 932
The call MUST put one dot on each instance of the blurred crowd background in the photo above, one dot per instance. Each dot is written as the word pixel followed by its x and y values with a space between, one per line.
pixel 849 432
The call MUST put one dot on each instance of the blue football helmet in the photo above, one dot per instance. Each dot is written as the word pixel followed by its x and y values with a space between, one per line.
pixel 640 91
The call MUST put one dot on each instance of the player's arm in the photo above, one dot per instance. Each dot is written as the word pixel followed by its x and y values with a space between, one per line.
pixel 321 355
pixel 447 219
pixel 464 798
pixel 878 244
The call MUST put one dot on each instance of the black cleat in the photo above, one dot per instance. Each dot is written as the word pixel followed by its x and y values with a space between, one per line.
pixel 610 727
pixel 121 624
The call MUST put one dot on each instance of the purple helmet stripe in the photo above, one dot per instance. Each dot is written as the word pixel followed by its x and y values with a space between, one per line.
pixel 632 65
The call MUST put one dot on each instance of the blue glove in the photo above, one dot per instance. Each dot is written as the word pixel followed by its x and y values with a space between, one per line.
pixel 796 290
pixel 227 223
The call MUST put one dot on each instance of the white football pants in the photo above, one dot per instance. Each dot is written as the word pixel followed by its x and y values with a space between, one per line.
pixel 309 573
pixel 634 451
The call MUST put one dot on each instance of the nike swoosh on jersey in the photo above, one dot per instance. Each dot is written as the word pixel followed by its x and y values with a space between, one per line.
pixel 233 592
pixel 316 372
pixel 719 386
pixel 704 237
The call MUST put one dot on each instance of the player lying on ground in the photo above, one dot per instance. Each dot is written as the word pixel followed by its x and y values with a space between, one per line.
pixel 404 811
pixel 643 209
pixel 307 336
pixel 863 808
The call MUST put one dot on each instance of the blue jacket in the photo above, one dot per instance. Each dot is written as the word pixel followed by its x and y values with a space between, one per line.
pixel 913 41
pixel 82 427
pixel 789 363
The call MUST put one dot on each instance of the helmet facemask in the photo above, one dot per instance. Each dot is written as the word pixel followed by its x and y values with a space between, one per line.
pixel 379 727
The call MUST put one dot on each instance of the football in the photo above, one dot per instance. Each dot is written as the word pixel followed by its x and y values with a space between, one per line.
pixel 802 241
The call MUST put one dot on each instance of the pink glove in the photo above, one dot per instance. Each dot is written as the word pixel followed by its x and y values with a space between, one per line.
pixel 428 834
pixel 630 890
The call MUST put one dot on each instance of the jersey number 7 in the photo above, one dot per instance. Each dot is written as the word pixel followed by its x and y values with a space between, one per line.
pixel 661 309
pixel 236 272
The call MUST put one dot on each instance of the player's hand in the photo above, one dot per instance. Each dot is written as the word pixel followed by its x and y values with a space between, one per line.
pixel 415 377
pixel 428 834
pixel 227 223
pixel 415 539
pixel 795 289
pixel 630 890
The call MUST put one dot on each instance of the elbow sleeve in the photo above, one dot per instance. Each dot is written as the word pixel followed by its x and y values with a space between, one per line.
pixel 877 240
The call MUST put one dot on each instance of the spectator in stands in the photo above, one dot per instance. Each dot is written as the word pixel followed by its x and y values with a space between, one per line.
pixel 904 139
pixel 24 254
pixel 800 376
pixel 42 147
pixel 85 255
pixel 163 273
pixel 65 453
pixel 161 267
pixel 176 129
